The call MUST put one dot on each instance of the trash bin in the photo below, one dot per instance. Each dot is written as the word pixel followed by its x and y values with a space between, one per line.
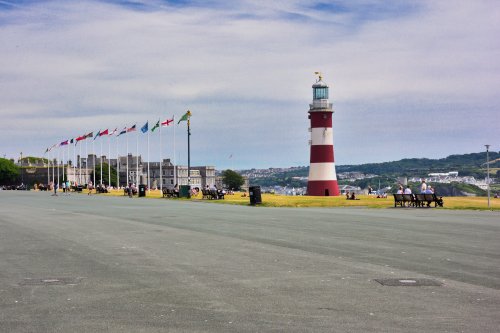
pixel 142 190
pixel 255 196
pixel 184 191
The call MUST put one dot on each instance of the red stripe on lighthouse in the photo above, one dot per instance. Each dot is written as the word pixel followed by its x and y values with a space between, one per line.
pixel 321 153
pixel 321 119
pixel 323 188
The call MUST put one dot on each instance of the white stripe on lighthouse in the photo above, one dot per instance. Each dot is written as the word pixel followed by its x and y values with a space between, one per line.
pixel 322 171
pixel 322 136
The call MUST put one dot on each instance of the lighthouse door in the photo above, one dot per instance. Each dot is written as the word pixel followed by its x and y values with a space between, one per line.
pixel 327 192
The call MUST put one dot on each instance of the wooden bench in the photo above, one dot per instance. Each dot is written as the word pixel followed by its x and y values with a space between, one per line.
pixel 402 199
pixel 169 193
pixel 417 200
pixel 212 194
pixel 433 198
pixel 420 200
pixel 398 200
pixel 410 199
pixel 125 191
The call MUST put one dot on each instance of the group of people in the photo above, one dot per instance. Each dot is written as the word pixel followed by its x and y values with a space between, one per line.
pixel 424 189
pixel 350 196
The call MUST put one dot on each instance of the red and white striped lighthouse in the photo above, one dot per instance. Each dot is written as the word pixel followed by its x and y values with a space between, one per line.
pixel 322 176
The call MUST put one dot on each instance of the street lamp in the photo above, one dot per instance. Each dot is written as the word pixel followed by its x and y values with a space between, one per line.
pixel 22 176
pixel 488 172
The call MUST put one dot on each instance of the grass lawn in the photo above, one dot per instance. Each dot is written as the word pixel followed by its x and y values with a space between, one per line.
pixel 273 200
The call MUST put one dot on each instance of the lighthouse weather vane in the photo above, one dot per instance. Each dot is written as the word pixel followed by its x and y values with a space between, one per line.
pixel 320 76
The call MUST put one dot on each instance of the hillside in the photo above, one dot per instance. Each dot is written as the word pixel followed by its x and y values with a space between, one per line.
pixel 467 165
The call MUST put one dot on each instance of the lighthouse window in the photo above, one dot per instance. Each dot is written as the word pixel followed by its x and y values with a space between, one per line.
pixel 320 93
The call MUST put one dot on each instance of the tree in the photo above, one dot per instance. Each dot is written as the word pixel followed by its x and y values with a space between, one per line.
pixel 232 179
pixel 8 171
pixel 105 174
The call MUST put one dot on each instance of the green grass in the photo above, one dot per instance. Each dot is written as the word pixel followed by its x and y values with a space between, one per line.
pixel 273 200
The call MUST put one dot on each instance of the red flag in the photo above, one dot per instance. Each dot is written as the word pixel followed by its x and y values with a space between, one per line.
pixel 167 122
pixel 105 132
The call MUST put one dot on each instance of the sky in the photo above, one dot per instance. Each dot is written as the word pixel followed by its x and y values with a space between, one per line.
pixel 407 78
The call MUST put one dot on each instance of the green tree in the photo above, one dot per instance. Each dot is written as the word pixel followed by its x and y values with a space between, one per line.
pixel 105 174
pixel 232 179
pixel 9 172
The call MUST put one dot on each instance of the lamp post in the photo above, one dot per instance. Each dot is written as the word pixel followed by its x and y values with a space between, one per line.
pixel 488 172
pixel 189 146
pixel 22 176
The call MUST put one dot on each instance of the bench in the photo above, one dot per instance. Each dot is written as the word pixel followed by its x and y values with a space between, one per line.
pixel 402 199
pixel 169 193
pixel 212 194
pixel 125 191
pixel 417 200
pixel 433 198
pixel 101 189
pixel 420 200
pixel 398 200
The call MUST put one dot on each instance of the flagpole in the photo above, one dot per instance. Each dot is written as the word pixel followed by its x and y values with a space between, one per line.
pixel 53 173
pixel 58 166
pixel 48 167
pixel 67 165
pixel 137 160
pixel 100 183
pixel 87 160
pixel 109 162
pixel 74 165
pixel 117 165
pixel 63 165
pixel 149 183
pixel 93 164
pixel 161 163
pixel 175 164
pixel 127 163
pixel 80 166
pixel 189 148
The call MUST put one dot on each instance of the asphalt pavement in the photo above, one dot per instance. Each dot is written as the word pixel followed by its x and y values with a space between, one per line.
pixel 78 263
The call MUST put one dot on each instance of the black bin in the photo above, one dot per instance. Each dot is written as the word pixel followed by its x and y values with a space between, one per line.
pixel 142 190
pixel 184 191
pixel 255 196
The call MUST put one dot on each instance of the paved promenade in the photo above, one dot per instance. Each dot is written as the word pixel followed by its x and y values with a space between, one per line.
pixel 83 263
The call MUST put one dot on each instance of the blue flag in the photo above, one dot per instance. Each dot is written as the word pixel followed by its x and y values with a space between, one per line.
pixel 144 128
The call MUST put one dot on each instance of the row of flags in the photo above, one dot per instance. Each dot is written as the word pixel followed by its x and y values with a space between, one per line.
pixel 106 132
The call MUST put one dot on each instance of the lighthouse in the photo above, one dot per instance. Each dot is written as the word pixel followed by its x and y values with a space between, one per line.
pixel 322 176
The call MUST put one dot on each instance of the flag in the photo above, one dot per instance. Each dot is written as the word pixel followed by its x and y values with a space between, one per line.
pixel 231 156
pixel 47 150
pixel 91 134
pixel 72 140
pixel 53 147
pixel 97 135
pixel 114 131
pixel 64 143
pixel 185 117
pixel 123 131
pixel 144 128
pixel 80 138
pixel 167 122
pixel 105 132
pixel 131 129
pixel 155 126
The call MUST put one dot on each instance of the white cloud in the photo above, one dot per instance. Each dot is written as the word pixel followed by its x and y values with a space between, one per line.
pixel 245 71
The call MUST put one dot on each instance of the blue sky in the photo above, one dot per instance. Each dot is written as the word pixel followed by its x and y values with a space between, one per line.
pixel 398 71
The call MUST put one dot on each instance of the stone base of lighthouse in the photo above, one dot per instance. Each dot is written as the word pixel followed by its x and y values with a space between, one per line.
pixel 323 188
